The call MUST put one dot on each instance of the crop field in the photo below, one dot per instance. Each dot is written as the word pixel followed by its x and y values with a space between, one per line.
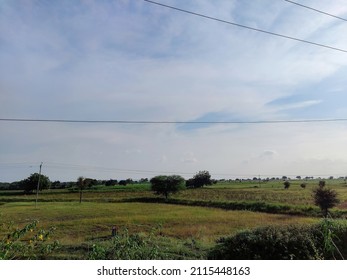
pixel 186 225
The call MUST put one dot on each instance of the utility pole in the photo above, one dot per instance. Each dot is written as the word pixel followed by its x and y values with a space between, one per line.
pixel 38 186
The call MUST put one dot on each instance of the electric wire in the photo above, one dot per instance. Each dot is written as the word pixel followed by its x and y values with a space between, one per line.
pixel 171 122
pixel 316 10
pixel 138 171
pixel 247 27
pixel 78 167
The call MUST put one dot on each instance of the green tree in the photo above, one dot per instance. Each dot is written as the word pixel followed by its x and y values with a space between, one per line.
pixel 122 183
pixel 165 185
pixel 190 183
pixel 111 182
pixel 30 184
pixel 202 178
pixel 286 184
pixel 325 198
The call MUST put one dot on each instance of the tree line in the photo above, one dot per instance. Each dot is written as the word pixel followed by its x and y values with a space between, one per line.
pixel 324 198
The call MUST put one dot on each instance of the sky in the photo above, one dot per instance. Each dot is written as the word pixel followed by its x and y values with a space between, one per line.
pixel 136 61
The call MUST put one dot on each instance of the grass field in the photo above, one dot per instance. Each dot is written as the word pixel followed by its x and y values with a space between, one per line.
pixel 195 216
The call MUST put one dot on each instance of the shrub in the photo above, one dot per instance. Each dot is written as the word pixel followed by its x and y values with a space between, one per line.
pixel 321 183
pixel 286 184
pixel 26 243
pixel 267 243
pixel 326 240
pixel 125 246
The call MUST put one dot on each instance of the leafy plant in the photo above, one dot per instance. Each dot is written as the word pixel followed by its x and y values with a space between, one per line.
pixel 276 243
pixel 28 242
pixel 330 237
pixel 326 240
pixel 125 246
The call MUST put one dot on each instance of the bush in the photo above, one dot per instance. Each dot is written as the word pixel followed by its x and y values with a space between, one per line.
pixel 265 244
pixel 125 246
pixel 321 183
pixel 326 240
pixel 26 243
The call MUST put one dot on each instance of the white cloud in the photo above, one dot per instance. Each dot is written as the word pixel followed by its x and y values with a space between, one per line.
pixel 298 105
pixel 129 60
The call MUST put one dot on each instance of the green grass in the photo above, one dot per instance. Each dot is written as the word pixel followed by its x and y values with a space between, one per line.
pixel 77 223
pixel 186 225
pixel 246 191
pixel 270 192
pixel 89 220
pixel 273 192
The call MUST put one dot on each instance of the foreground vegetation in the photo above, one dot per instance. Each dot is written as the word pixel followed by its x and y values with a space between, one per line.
pixel 325 240
pixel 186 225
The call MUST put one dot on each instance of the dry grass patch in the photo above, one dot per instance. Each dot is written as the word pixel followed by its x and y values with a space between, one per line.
pixel 77 223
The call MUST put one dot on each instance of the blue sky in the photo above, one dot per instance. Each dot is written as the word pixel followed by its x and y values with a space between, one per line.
pixel 132 60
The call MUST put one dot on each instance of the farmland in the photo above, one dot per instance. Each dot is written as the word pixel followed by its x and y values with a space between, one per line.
pixel 185 226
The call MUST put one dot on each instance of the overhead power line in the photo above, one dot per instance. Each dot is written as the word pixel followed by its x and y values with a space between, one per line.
pixel 110 169
pixel 247 27
pixel 316 10
pixel 114 170
pixel 171 122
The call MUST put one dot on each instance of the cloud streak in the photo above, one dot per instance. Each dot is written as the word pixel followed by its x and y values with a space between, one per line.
pixel 127 60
